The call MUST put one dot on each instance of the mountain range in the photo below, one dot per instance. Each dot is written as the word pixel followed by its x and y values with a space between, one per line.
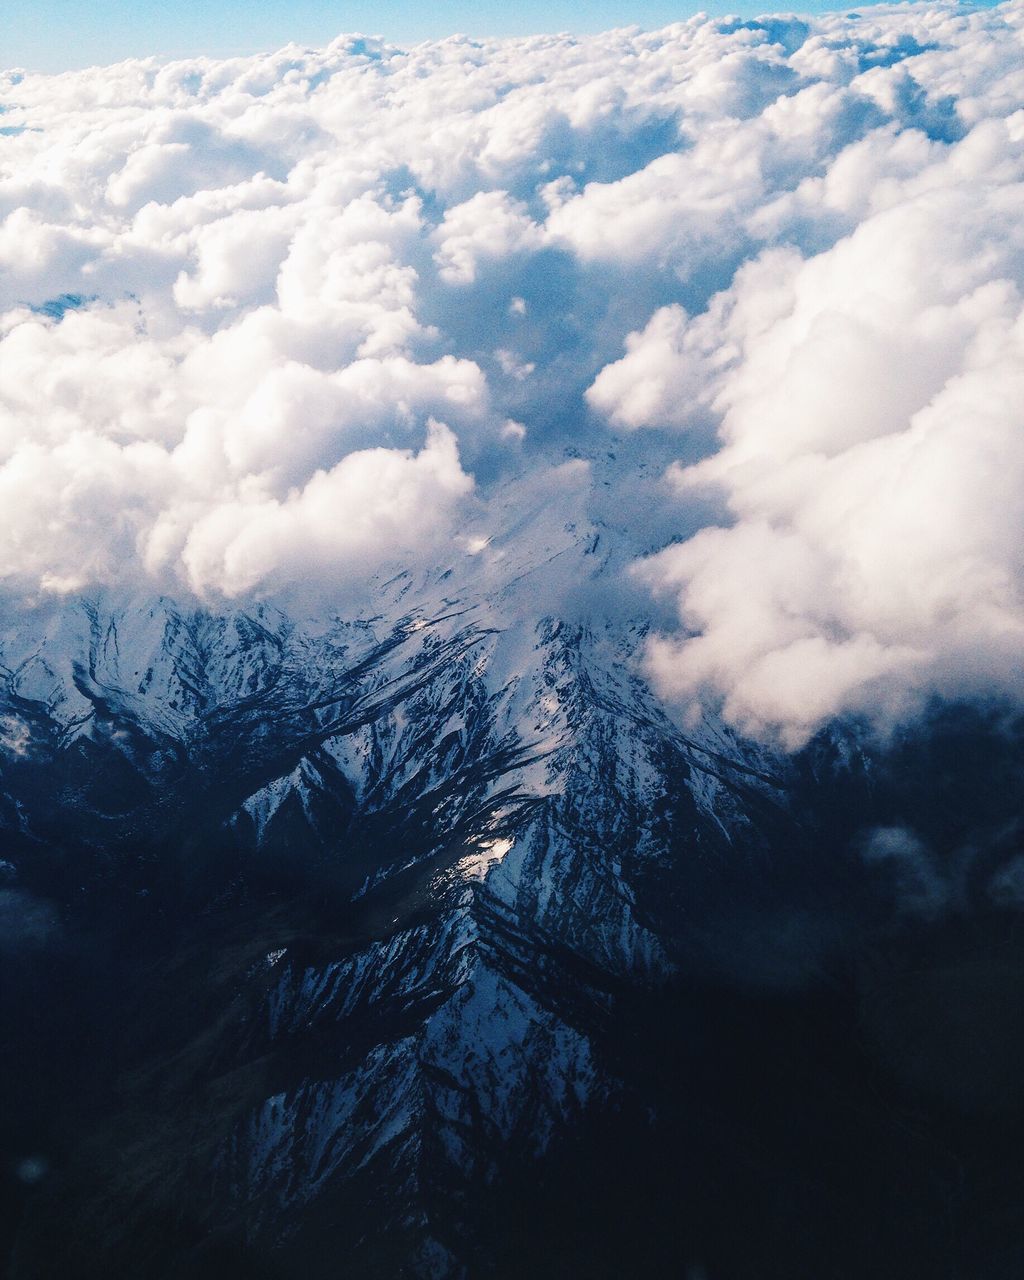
pixel 422 939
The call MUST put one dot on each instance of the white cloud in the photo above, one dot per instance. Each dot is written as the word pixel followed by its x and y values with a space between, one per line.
pixel 489 225
pixel 336 524
pixel 785 253
pixel 669 373
pixel 872 462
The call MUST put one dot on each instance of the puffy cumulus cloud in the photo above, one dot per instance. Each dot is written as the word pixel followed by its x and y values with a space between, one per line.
pixel 766 275
pixel 336 522
pixel 871 460
pixel 490 225
pixel 666 377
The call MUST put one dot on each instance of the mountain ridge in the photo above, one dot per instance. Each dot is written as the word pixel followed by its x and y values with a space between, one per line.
pixel 380 903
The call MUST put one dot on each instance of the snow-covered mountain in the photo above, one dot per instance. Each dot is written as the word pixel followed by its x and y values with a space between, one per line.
pixel 370 911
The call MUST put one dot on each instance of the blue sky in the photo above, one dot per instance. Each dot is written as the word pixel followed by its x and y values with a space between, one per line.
pixel 53 35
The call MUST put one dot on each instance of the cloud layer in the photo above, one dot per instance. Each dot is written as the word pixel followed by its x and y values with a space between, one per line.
pixel 291 316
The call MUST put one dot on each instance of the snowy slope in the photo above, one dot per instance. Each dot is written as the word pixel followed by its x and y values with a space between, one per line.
pixel 488 790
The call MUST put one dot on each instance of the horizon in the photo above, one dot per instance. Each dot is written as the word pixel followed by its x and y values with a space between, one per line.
pixel 77 35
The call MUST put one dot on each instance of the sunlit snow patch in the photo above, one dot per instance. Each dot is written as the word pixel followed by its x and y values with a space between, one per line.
pixel 477 865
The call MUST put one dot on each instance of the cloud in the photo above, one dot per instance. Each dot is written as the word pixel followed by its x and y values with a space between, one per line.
pixel 766 275
pixel 489 225
pixel 871 461
pixel 338 521
pixel 667 377
pixel 919 887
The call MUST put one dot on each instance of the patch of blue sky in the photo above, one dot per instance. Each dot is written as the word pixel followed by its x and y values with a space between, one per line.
pixel 57 35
